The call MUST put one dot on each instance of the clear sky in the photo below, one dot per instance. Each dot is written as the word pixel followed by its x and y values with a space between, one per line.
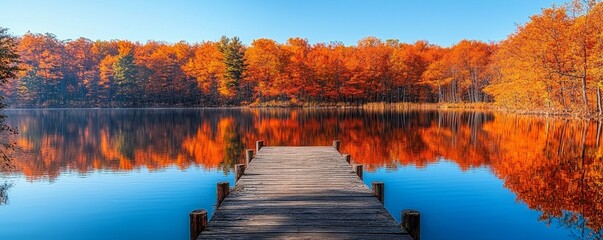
pixel 441 22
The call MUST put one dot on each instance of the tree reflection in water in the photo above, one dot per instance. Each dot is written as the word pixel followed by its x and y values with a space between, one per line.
pixel 553 165
pixel 4 192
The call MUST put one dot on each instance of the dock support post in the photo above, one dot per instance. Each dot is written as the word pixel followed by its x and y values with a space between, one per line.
pixel 347 157
pixel 358 170
pixel 239 170
pixel 377 188
pixel 411 222
pixel 223 190
pixel 198 222
pixel 336 144
pixel 259 145
pixel 248 156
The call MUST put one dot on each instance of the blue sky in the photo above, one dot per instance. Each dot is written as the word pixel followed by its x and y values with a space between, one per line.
pixel 437 21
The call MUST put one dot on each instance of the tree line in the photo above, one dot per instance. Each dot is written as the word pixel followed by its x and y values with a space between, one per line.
pixel 552 63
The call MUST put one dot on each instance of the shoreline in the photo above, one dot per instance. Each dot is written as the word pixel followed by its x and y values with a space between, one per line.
pixel 371 106
pixel 478 107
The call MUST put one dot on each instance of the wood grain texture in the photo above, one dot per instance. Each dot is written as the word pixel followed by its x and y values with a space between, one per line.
pixel 301 193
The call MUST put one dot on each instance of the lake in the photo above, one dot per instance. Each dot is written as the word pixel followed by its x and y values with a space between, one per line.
pixel 137 173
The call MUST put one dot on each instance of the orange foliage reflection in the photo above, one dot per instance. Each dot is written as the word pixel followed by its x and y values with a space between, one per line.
pixel 553 165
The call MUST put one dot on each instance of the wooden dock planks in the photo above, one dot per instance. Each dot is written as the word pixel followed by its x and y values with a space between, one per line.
pixel 301 193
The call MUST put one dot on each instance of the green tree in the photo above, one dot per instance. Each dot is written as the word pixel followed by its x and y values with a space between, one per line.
pixel 234 58
pixel 8 69
pixel 125 78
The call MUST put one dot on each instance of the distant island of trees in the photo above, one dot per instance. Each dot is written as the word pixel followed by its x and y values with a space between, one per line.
pixel 552 63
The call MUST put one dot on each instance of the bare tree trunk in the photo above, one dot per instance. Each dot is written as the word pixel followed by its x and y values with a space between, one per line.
pixel 599 127
pixel 439 93
pixel 584 98
pixel 599 100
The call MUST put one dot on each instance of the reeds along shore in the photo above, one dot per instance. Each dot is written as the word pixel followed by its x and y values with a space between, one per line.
pixel 406 106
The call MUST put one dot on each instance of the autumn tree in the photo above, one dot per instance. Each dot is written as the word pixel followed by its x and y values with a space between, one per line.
pixel 166 80
pixel 8 71
pixel 297 70
pixel 408 62
pixel 327 63
pixel 462 72
pixel 551 63
pixel 106 83
pixel 208 67
pixel 265 69
pixel 370 70
pixel 8 60
pixel 148 61
pixel 583 42
pixel 83 62
pixel 596 19
pixel 42 60
pixel 185 87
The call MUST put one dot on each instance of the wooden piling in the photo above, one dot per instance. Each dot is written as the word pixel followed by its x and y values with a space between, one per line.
pixel 239 170
pixel 259 145
pixel 336 144
pixel 223 190
pixel 411 222
pixel 358 170
pixel 248 156
pixel 198 222
pixel 347 157
pixel 377 188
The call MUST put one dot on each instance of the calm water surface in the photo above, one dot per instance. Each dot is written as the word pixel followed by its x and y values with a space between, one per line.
pixel 125 174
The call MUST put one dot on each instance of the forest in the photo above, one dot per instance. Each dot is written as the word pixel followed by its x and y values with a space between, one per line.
pixel 552 63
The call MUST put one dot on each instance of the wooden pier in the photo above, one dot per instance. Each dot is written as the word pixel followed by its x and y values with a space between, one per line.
pixel 301 193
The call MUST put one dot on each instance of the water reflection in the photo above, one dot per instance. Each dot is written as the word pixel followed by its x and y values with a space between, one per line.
pixel 553 165
pixel 4 192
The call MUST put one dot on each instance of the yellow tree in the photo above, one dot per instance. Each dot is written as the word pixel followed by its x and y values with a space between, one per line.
pixel 583 32
pixel 596 18
pixel 106 81
pixel 534 67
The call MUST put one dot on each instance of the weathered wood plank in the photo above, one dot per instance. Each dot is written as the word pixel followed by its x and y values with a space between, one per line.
pixel 301 204
pixel 302 229
pixel 348 201
pixel 219 216
pixel 298 183
pixel 300 188
pixel 307 222
pixel 317 210
pixel 305 195
pixel 301 193
pixel 305 236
